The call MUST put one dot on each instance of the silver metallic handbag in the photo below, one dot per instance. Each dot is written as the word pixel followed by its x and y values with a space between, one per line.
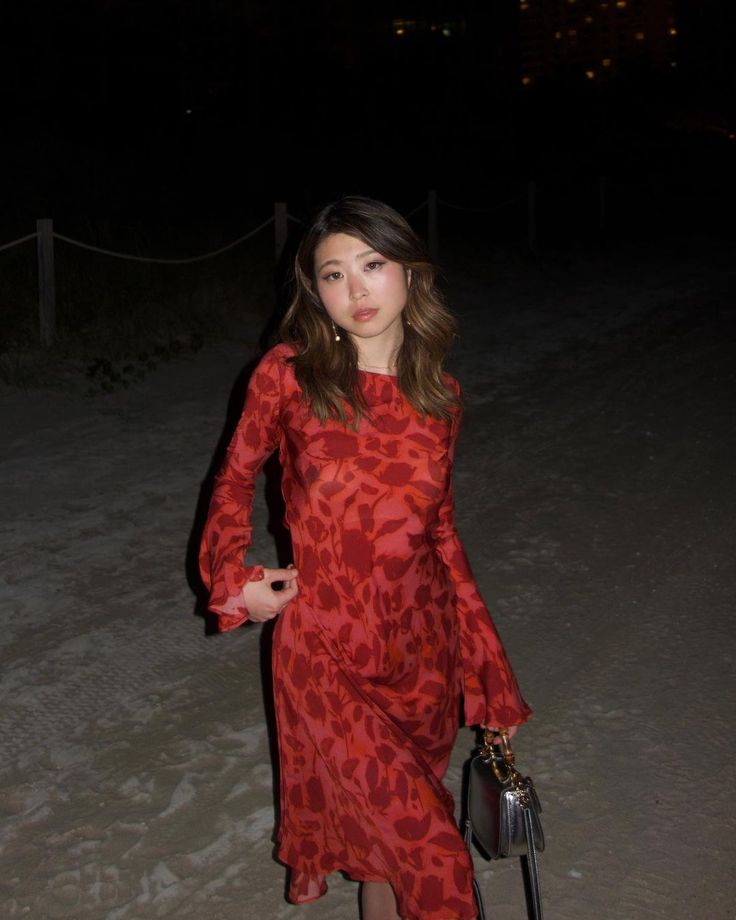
pixel 503 812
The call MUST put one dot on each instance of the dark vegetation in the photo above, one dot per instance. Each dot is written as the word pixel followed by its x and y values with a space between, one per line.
pixel 116 319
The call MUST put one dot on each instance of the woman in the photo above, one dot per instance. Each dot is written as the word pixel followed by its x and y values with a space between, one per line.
pixel 381 629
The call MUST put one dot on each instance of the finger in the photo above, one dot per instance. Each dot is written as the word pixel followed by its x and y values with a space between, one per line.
pixel 494 730
pixel 510 732
pixel 287 593
pixel 271 575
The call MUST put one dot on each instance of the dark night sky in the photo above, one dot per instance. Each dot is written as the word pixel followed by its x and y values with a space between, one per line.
pixel 115 104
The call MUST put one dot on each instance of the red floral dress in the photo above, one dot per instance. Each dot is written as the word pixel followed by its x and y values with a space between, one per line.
pixel 371 659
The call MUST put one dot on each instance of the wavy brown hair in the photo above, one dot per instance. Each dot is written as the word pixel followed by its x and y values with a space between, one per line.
pixel 326 370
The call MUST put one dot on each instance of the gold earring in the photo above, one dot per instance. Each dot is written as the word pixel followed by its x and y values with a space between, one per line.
pixel 334 330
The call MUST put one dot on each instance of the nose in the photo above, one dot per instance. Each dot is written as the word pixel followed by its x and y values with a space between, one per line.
pixel 357 287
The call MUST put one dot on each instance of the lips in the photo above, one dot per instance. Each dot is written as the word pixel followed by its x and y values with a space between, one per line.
pixel 364 315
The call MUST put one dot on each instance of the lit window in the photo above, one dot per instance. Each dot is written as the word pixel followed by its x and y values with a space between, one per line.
pixel 590 74
pixel 606 62
pixel 403 26
pixel 639 36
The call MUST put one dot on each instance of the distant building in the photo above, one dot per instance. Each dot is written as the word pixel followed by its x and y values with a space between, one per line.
pixel 595 40
pixel 469 45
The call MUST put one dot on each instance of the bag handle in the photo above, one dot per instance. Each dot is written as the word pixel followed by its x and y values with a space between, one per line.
pixel 499 755
pixel 499 738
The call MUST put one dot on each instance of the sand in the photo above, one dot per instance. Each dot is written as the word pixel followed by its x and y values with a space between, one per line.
pixel 595 492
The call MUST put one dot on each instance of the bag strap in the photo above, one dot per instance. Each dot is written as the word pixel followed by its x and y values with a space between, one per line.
pixel 476 886
pixel 479 900
pixel 532 865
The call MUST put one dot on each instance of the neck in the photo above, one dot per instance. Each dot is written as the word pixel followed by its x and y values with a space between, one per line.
pixel 377 354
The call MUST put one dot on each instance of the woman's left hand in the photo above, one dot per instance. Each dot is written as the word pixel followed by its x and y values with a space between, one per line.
pixel 492 728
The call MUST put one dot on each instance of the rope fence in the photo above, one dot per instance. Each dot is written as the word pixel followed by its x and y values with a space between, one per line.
pixel 484 210
pixel 22 239
pixel 422 204
pixel 45 236
pixel 156 261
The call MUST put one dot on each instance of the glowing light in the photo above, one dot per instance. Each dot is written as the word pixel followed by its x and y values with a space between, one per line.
pixel 399 31
pixel 558 34
pixel 590 74
pixel 673 63
pixel 673 31
pixel 572 32
pixel 447 32
pixel 526 80
pixel 606 62
pixel 589 19
pixel 639 36
pixel 620 4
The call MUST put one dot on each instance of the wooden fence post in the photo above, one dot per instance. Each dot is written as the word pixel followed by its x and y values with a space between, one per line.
pixel 46 281
pixel 532 216
pixel 281 226
pixel 433 231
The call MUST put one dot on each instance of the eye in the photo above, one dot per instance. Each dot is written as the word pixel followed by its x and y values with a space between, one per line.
pixel 332 276
pixel 374 266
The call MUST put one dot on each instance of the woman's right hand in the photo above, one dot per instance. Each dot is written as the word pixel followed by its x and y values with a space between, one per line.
pixel 263 601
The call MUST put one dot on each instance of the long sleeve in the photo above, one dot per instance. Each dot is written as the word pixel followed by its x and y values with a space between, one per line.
pixel 491 693
pixel 227 533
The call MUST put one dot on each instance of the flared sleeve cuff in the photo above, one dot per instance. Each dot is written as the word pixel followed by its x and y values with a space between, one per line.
pixel 226 597
pixel 486 707
pixel 491 692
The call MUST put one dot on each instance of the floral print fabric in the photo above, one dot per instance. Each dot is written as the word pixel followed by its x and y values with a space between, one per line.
pixel 388 632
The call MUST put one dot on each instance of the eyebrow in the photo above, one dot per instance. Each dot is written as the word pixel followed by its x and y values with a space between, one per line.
pixel 360 255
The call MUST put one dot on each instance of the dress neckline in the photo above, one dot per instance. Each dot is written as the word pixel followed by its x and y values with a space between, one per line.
pixel 377 374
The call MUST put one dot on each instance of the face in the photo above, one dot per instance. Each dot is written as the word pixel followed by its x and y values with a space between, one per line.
pixel 362 292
